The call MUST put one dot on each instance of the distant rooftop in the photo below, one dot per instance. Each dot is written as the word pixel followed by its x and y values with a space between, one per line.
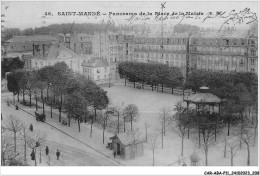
pixel 32 38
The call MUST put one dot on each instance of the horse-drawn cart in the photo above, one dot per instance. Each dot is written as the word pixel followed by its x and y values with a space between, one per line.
pixel 40 116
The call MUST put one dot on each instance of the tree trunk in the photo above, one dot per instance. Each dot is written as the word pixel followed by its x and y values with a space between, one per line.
pixel 162 87
pixel 134 84
pixel 153 157
pixel 79 123
pixel 104 127
pixel 23 97
pixel 228 124
pixel 206 154
pixel 152 87
pixel 172 89
pixel 232 156
pixel 162 135
pixel 255 133
pixel 15 143
pixel 25 142
pixel 125 81
pixel 164 125
pixel 225 148
pixel 47 92
pixel 60 107
pixel 51 108
pixel 95 113
pixel 92 120
pixel 36 103
pixel 30 95
pixel 124 125
pixel 188 132
pixel 182 142
pixel 18 96
pixel 131 121
pixel 69 119
pixel 199 136
pixel 118 124
pixel 248 154
pixel 35 162
pixel 43 110
pixel 40 155
pixel 215 130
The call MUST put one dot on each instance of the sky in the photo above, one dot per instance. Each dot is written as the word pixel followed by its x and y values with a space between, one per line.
pixel 25 14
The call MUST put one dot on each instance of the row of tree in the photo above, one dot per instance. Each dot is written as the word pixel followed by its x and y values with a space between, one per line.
pixel 151 73
pixel 59 87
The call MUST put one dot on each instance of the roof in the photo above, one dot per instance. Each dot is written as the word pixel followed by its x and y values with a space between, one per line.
pixel 203 98
pixel 219 35
pixel 96 62
pixel 32 38
pixel 126 138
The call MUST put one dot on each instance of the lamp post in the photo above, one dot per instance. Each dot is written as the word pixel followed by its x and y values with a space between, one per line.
pixel 109 79
pixel 36 145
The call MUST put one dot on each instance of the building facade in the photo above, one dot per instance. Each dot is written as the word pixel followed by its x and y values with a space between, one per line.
pixel 81 44
pixel 172 50
pixel 23 45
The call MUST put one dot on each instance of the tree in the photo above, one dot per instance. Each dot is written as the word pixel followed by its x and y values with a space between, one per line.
pixel 232 144
pixel 12 84
pixel 75 107
pixel 132 113
pixel 25 137
pixel 147 125
pixel 117 111
pixel 244 132
pixel 10 65
pixel 37 140
pixel 14 126
pixel 180 122
pixel 153 143
pixel 135 135
pixel 103 118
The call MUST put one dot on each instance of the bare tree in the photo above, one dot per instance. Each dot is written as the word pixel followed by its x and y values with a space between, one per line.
pixel 7 155
pixel 244 132
pixel 132 113
pixel 14 125
pixel 153 143
pixel 24 137
pixel 147 125
pixel 117 111
pixel 232 144
pixel 180 122
pixel 103 118
pixel 35 141
pixel 164 117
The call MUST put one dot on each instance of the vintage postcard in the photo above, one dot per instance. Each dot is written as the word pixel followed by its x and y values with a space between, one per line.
pixel 122 83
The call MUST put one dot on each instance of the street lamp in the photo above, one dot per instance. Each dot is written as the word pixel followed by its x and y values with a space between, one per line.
pixel 36 145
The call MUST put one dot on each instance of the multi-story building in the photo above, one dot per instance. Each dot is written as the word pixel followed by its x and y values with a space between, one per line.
pixel 252 53
pixel 121 47
pixel 220 52
pixel 54 54
pixel 172 50
pixel 113 47
pixel 23 45
pixel 98 70
pixel 81 43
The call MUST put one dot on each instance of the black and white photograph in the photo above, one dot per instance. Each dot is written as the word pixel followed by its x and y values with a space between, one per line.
pixel 130 83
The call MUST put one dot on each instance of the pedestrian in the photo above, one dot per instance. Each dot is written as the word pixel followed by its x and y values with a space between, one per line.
pixel 47 150
pixel 31 127
pixel 32 155
pixel 114 154
pixel 184 164
pixel 58 154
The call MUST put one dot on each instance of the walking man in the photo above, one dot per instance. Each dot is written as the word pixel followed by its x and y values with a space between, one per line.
pixel 47 150
pixel 58 154
pixel 114 154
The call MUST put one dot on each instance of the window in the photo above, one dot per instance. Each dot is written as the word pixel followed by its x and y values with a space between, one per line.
pixel 252 42
pixel 235 42
pixel 242 61
pixel 81 45
pixel 242 42
pixel 252 52
pixel 126 52
pixel 126 45
pixel 252 70
pixel 252 61
pixel 12 47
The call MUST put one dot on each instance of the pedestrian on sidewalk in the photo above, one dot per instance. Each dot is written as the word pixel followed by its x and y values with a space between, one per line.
pixel 32 155
pixel 47 150
pixel 31 127
pixel 184 164
pixel 114 154
pixel 58 154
